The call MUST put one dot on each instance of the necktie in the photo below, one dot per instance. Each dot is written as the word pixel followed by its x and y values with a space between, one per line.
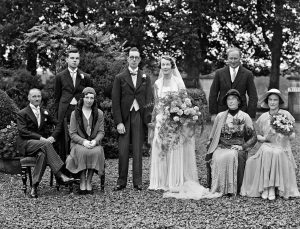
pixel 73 74
pixel 37 115
pixel 233 74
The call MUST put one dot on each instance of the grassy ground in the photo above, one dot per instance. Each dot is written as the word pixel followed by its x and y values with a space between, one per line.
pixel 144 209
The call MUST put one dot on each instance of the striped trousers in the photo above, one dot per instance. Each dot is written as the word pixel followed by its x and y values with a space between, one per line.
pixel 44 153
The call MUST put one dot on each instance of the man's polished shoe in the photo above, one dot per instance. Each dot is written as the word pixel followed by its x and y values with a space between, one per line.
pixel 33 192
pixel 137 187
pixel 65 180
pixel 119 187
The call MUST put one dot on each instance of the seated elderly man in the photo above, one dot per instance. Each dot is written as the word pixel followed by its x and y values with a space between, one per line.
pixel 32 140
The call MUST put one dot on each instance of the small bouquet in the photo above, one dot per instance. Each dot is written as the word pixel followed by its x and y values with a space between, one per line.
pixel 281 124
pixel 237 128
pixel 180 116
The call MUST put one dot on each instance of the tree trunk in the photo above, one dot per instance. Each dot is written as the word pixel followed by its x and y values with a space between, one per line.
pixel 276 46
pixel 31 53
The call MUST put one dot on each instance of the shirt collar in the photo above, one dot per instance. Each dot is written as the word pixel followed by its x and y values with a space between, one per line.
pixel 71 71
pixel 236 69
pixel 133 70
pixel 34 107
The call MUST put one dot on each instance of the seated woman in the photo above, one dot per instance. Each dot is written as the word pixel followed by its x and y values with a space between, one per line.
pixel 272 169
pixel 231 136
pixel 86 132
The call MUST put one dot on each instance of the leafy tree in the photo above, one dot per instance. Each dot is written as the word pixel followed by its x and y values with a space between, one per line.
pixel 266 31
pixel 53 40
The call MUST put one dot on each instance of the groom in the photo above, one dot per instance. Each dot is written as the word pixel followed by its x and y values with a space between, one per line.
pixel 131 94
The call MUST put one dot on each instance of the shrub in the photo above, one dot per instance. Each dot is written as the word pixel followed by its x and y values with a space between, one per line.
pixel 199 98
pixel 23 81
pixel 8 110
pixel 110 140
pixel 8 137
pixel 6 78
pixel 103 68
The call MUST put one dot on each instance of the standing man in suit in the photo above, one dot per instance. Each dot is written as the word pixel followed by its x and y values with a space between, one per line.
pixel 68 88
pixel 32 140
pixel 233 76
pixel 131 94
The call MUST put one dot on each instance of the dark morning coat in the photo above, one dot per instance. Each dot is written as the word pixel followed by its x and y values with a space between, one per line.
pixel 243 82
pixel 29 130
pixel 124 93
pixel 65 90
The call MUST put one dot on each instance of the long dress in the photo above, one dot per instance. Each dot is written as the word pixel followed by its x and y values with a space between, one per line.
pixel 175 172
pixel 231 130
pixel 273 165
pixel 82 158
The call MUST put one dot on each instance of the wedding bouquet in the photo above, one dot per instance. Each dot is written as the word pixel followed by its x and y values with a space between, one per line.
pixel 281 124
pixel 180 116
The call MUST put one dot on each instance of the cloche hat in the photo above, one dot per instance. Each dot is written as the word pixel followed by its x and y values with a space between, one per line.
pixel 232 92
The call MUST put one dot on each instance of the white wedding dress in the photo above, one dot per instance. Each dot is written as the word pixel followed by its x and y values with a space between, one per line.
pixel 176 172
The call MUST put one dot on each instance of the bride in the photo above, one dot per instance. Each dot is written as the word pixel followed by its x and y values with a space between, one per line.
pixel 175 172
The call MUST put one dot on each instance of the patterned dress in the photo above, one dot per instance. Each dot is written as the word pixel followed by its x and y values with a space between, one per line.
pixel 236 130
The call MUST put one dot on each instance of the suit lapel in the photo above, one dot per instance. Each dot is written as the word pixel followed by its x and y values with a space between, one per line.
pixel 42 118
pixel 227 78
pixel 68 78
pixel 32 115
pixel 239 76
pixel 139 79
pixel 78 78
pixel 128 79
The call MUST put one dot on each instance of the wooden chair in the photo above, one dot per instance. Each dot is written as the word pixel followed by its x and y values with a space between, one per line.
pixel 26 164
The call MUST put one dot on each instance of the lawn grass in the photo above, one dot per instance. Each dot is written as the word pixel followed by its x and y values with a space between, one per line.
pixel 142 209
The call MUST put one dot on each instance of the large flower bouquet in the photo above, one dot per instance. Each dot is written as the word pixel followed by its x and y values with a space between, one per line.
pixel 8 145
pixel 180 118
pixel 281 124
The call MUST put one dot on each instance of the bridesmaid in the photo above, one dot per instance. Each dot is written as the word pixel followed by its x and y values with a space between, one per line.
pixel 271 171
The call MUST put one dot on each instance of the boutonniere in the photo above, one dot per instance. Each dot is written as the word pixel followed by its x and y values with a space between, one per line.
pixel 144 77
pixel 46 113
pixel 82 76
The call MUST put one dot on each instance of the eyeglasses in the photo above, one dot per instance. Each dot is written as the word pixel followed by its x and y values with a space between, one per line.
pixel 134 57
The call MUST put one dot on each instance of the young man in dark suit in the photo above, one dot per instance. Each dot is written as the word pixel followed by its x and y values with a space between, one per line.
pixel 32 140
pixel 69 84
pixel 233 76
pixel 131 94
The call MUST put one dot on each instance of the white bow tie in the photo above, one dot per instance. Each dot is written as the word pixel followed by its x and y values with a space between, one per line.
pixel 133 72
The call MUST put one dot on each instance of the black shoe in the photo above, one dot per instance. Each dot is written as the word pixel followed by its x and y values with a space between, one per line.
pixel 33 192
pixel 82 192
pixel 90 192
pixel 119 187
pixel 137 187
pixel 64 180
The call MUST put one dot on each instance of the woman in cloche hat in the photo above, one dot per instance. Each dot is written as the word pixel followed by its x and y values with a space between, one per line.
pixel 86 132
pixel 231 136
